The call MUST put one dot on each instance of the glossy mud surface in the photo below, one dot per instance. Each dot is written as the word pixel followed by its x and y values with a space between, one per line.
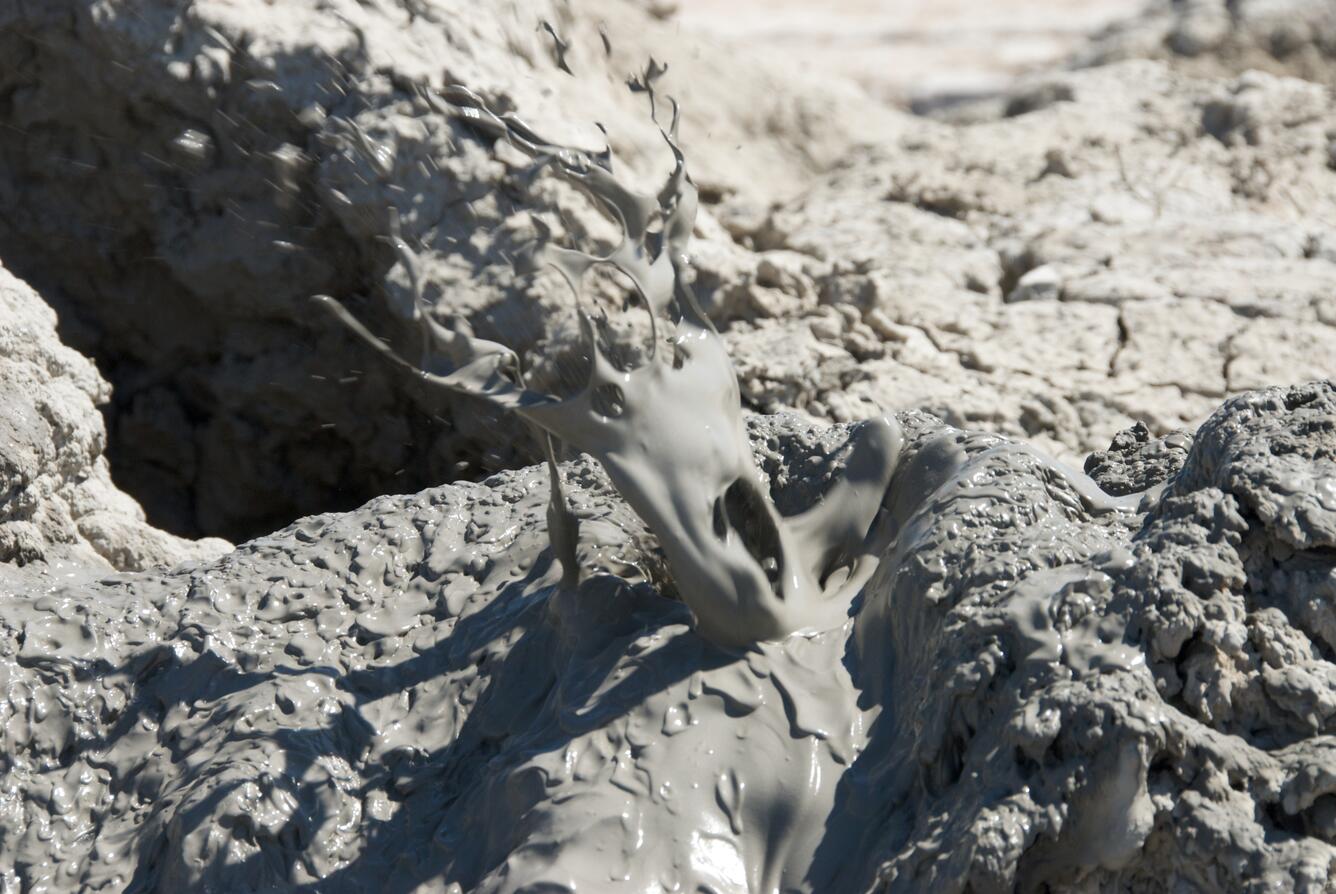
pixel 1069 687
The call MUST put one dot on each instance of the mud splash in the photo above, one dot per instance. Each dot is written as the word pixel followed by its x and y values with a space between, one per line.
pixel 1038 687
pixel 669 430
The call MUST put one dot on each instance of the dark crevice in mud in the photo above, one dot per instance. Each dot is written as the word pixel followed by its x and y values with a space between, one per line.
pixel 1013 266
pixel 742 509
pixel 1124 336
pixel 950 207
pixel 942 103
pixel 1288 824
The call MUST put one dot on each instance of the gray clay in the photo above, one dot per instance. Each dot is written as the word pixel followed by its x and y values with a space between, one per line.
pixel 690 649
pixel 1065 690
pixel 1173 224
pixel 669 431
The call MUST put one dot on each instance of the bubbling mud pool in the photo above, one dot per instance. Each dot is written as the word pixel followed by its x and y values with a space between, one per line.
pixel 410 698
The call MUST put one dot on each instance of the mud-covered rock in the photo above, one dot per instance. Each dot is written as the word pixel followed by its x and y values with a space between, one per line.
pixel 1143 716
pixel 1136 461
pixel 57 500
pixel 1041 686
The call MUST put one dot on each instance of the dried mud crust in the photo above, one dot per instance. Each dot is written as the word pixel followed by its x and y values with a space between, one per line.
pixel 1036 689
pixel 1215 37
pixel 1128 244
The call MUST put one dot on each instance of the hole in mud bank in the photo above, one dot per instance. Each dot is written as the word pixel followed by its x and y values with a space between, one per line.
pixel 234 408
pixel 236 427
pixel 712 193
pixel 1292 824
pixel 608 400
pixel 743 510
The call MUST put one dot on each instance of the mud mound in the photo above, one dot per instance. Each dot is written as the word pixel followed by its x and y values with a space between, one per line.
pixel 1202 766
pixel 1224 37
pixel 180 177
pixel 1038 687
pixel 57 501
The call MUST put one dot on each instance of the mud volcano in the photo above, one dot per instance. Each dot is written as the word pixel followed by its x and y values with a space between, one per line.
pixel 692 649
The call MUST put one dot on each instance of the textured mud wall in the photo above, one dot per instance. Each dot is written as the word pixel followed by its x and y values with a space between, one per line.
pixel 1178 703
pixel 1123 244
pixel 1037 689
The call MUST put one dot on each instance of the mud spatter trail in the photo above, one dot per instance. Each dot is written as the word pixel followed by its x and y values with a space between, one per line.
pixel 669 429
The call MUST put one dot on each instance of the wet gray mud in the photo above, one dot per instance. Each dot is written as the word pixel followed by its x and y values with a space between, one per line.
pixel 1039 686
pixel 708 652
pixel 908 657
pixel 668 426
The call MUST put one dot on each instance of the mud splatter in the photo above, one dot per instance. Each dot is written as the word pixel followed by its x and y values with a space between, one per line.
pixel 669 431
